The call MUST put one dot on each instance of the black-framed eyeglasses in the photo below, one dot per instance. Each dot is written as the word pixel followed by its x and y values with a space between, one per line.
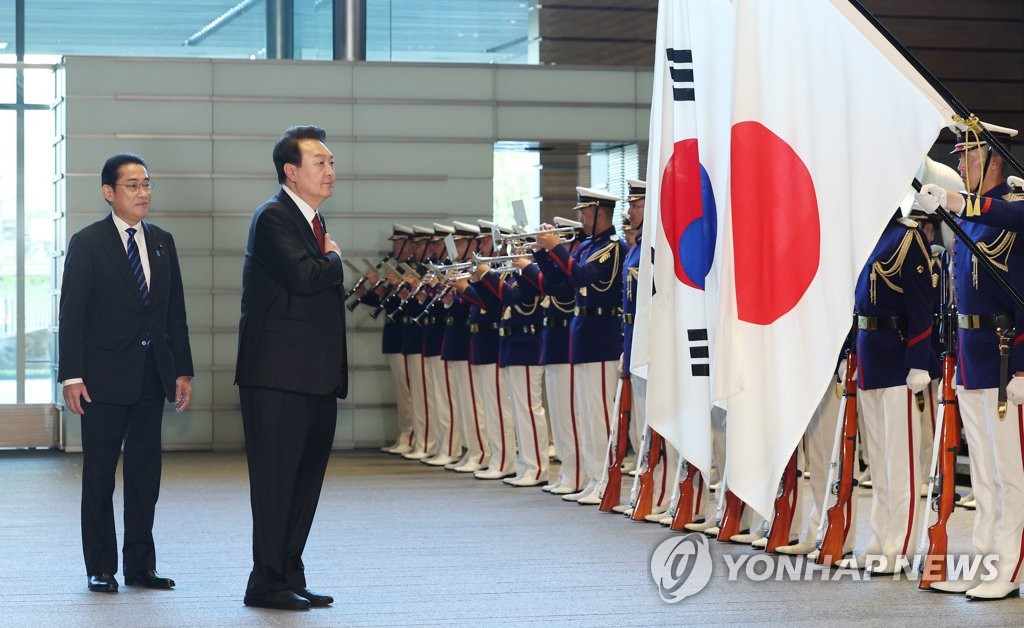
pixel 135 186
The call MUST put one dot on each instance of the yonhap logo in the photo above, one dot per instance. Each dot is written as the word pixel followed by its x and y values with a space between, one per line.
pixel 681 567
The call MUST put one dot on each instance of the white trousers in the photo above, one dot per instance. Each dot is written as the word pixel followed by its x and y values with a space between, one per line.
pixel 403 398
pixel 498 419
pixel 997 478
pixel 438 415
pixel 449 437
pixel 595 394
pixel 893 446
pixel 932 395
pixel 420 400
pixel 818 442
pixel 526 396
pixel 559 384
pixel 469 411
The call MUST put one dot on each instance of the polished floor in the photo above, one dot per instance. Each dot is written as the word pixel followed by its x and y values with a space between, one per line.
pixel 398 544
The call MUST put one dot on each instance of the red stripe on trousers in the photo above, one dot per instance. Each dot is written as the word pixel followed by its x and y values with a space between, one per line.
pixel 910 464
pixel 476 417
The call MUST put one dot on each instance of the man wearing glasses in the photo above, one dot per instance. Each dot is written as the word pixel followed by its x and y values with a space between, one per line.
pixel 124 348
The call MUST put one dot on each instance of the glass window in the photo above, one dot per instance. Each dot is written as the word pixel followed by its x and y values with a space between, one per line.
pixel 314 21
pixel 39 232
pixel 516 177
pixel 187 28
pixel 40 88
pixel 464 31
pixel 8 76
pixel 8 269
pixel 7 43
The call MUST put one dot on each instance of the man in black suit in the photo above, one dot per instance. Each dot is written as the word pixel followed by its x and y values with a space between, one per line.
pixel 291 366
pixel 123 349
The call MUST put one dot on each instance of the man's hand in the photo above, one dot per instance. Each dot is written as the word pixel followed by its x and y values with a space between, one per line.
pixel 331 245
pixel 932 196
pixel 1015 390
pixel 522 262
pixel 183 393
pixel 548 241
pixel 73 396
pixel 479 272
pixel 918 380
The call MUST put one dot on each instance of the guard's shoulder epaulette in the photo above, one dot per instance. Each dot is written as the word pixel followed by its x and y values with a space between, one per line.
pixel 908 222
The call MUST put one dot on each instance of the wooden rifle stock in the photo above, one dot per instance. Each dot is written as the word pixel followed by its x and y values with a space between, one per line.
pixel 729 525
pixel 617 452
pixel 933 567
pixel 684 505
pixel 785 507
pixel 645 493
pixel 839 515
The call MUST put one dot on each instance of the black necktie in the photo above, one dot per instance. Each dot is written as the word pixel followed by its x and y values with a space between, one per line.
pixel 136 263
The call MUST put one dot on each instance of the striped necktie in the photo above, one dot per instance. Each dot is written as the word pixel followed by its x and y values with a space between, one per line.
pixel 136 263
pixel 318 230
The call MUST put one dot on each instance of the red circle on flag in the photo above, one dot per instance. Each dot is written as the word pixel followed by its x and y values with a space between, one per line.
pixel 681 202
pixel 776 228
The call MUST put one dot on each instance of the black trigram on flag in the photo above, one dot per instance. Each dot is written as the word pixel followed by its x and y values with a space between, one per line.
pixel 680 67
pixel 700 352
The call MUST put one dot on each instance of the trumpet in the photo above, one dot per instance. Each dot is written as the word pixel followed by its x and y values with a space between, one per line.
pixel 498 259
pixel 565 234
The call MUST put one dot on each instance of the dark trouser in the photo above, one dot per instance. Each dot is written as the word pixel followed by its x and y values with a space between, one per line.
pixel 104 428
pixel 288 439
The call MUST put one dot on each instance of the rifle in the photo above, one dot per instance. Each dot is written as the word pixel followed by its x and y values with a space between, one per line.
pixel 684 505
pixel 947 432
pixel 645 478
pixel 947 436
pixel 617 443
pixel 729 524
pixel 785 507
pixel 839 516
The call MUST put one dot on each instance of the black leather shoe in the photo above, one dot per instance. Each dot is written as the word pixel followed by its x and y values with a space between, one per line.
pixel 103 583
pixel 279 600
pixel 315 599
pixel 149 579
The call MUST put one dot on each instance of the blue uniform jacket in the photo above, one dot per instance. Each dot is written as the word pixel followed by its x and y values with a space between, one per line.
pixel 595 270
pixel 896 282
pixel 630 272
pixel 996 231
pixel 558 302
pixel 456 331
pixel 520 321
pixel 484 320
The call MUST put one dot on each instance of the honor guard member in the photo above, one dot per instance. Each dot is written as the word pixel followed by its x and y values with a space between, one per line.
pixel 412 348
pixel 557 304
pixel 391 346
pixel 990 347
pixel 484 322
pixel 519 357
pixel 895 360
pixel 449 441
pixel 469 405
pixel 595 334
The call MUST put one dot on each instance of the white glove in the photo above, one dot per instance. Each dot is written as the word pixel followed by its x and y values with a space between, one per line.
pixel 1015 390
pixel 931 197
pixel 918 380
pixel 841 372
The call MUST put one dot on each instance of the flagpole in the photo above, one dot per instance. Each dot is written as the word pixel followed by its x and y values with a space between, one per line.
pixel 943 91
